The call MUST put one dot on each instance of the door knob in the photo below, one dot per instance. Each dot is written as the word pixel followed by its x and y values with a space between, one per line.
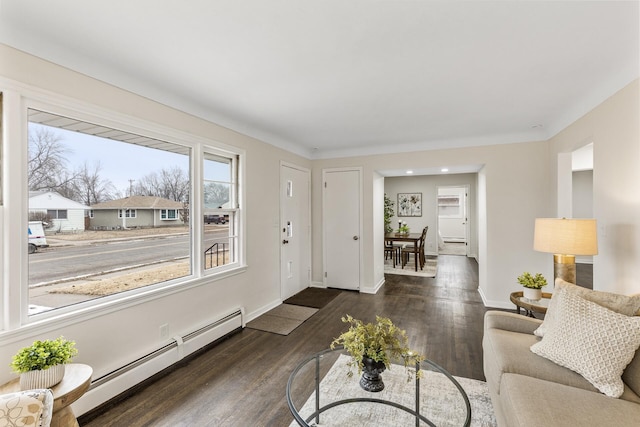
pixel 355 237
pixel 284 242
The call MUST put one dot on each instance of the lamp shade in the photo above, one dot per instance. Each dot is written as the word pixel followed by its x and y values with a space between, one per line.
pixel 565 236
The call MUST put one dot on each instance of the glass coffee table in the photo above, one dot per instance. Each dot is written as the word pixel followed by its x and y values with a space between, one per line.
pixel 320 393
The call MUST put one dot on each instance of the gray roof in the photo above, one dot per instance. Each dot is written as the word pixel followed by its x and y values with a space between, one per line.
pixel 139 202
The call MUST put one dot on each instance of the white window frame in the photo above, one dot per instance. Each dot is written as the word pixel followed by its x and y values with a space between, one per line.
pixel 233 212
pixel 17 99
pixel 57 211
pixel 164 214
pixel 128 213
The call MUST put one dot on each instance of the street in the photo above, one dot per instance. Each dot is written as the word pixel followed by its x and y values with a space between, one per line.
pixel 53 264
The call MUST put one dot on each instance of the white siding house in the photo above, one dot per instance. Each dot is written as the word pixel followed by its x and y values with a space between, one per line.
pixel 65 214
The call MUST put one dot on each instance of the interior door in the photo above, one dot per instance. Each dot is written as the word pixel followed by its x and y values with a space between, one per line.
pixel 295 230
pixel 342 202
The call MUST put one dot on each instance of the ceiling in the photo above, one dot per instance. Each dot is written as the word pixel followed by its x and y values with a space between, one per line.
pixel 341 77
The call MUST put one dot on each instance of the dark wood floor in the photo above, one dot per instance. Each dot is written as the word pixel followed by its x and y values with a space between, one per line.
pixel 242 380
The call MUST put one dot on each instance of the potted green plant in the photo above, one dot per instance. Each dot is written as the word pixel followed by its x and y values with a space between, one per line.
pixel 388 214
pixel 372 347
pixel 41 365
pixel 533 285
pixel 403 228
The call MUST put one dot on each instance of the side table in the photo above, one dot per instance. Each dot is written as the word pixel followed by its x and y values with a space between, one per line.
pixel 528 305
pixel 76 381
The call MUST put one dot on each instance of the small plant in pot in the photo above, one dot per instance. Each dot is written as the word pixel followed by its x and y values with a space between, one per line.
pixel 372 347
pixel 533 285
pixel 41 365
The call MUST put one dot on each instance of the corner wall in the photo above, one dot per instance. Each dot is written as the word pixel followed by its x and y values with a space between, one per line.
pixel 614 129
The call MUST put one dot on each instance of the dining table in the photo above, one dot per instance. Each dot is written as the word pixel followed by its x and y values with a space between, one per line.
pixel 408 238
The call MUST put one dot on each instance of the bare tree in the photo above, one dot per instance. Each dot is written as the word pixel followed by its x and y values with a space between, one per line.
pixel 47 160
pixel 216 194
pixel 90 188
pixel 172 184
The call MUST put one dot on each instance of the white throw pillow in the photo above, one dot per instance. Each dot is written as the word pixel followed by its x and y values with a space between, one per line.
pixel 29 408
pixel 628 305
pixel 591 340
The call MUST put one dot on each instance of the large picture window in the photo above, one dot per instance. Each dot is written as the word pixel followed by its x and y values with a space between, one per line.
pixel 127 201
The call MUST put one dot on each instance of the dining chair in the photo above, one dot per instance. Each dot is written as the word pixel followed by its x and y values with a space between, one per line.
pixel 393 251
pixel 406 251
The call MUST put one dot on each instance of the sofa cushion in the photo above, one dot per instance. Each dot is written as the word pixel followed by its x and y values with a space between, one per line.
pixel 631 375
pixel 508 352
pixel 628 305
pixel 527 401
pixel 591 340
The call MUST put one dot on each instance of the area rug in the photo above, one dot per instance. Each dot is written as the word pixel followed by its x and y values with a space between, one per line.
pixel 313 297
pixel 430 268
pixel 283 319
pixel 440 401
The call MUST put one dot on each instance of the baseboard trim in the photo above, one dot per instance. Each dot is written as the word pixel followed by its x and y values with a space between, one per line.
pixel 95 412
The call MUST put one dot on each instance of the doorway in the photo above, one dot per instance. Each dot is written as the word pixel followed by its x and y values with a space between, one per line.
pixel 295 229
pixel 342 227
pixel 453 221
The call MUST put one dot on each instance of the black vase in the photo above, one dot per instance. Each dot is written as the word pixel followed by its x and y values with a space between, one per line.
pixel 371 379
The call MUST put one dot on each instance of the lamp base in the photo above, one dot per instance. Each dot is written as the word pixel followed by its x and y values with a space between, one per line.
pixel 564 267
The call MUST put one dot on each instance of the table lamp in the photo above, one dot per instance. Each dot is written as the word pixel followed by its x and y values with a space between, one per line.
pixel 565 238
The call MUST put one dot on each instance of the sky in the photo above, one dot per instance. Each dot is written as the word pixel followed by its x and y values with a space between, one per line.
pixel 119 161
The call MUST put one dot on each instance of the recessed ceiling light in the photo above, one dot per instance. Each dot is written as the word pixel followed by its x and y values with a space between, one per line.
pixel 409 172
pixel 444 170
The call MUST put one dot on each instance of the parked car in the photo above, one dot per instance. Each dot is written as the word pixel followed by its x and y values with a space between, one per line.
pixel 215 219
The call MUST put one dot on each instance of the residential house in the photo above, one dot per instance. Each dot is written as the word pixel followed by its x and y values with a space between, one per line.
pixel 517 175
pixel 66 215
pixel 135 212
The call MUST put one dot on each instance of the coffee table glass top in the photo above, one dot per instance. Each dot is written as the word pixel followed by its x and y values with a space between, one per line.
pixel 320 392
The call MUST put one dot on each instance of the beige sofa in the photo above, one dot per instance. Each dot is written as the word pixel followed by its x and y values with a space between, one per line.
pixel 528 389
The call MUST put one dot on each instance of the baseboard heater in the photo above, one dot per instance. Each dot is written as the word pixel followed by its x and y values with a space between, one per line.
pixel 115 382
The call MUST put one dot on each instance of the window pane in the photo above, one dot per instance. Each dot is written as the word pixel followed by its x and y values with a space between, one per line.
pixel 217 182
pixel 125 181
pixel 219 241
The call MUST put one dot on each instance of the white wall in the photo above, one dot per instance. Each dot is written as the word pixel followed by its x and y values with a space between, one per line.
pixel 582 194
pixel 111 337
pixel 614 129
pixel 378 229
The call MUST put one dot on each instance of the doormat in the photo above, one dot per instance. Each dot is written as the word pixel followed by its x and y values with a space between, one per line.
pixel 283 319
pixel 313 297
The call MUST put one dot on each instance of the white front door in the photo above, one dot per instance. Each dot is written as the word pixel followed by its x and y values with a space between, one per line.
pixel 295 230
pixel 342 210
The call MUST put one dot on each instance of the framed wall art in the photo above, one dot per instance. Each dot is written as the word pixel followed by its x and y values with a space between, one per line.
pixel 409 204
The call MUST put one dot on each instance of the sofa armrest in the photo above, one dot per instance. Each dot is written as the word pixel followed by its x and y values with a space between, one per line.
pixel 510 322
